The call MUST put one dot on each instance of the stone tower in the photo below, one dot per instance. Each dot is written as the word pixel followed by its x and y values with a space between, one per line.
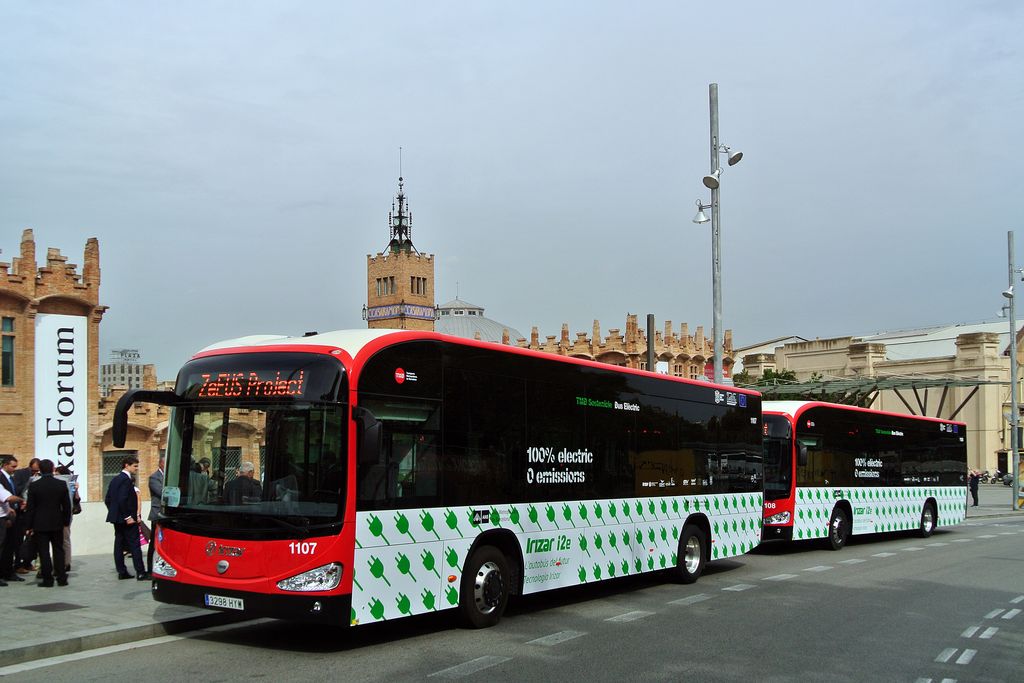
pixel 400 281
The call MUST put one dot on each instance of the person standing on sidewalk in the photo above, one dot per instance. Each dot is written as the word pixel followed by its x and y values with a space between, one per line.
pixel 156 491
pixel 21 481
pixel 49 511
pixel 7 498
pixel 972 483
pixel 123 512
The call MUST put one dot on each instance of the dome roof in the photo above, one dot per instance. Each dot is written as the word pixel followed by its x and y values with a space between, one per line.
pixel 462 319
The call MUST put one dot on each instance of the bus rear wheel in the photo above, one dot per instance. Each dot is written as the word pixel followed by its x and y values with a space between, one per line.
pixel 485 587
pixel 928 518
pixel 838 529
pixel 692 554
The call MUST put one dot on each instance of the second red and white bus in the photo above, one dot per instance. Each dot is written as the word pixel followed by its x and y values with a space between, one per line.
pixel 832 471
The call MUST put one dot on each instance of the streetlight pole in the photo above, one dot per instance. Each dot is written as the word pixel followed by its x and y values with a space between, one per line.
pixel 1014 414
pixel 716 244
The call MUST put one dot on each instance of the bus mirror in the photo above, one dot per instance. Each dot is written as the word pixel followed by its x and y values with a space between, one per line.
pixel 120 425
pixel 370 436
pixel 801 455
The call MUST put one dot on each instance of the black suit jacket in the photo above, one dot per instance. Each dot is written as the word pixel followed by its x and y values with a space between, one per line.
pixel 21 478
pixel 49 504
pixel 121 499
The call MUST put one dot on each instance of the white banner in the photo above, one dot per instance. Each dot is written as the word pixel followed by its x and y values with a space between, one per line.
pixel 62 396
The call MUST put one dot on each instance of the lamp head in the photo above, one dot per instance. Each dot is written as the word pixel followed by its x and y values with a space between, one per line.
pixel 711 180
pixel 734 156
pixel 701 217
pixel 1008 293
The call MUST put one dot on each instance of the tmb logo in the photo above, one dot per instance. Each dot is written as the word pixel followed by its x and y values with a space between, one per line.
pixel 399 375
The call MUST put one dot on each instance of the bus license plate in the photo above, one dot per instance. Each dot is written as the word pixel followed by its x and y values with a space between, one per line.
pixel 224 602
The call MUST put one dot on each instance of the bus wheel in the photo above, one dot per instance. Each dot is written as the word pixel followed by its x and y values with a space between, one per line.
pixel 927 521
pixel 485 587
pixel 838 529
pixel 692 554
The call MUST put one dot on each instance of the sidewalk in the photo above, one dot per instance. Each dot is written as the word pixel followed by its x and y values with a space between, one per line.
pixel 94 610
pixel 97 610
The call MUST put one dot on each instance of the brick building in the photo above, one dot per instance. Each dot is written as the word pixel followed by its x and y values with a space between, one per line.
pixel 50 385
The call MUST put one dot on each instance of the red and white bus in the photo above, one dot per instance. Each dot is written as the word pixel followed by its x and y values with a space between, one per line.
pixel 832 471
pixel 399 472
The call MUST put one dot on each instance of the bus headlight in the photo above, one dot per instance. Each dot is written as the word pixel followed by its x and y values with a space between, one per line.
pixel 780 518
pixel 323 578
pixel 161 568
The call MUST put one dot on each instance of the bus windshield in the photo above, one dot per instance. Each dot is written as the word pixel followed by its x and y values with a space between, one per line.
pixel 265 460
pixel 778 457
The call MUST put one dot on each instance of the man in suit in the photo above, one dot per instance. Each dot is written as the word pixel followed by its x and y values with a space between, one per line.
pixel 21 564
pixel 49 511
pixel 156 491
pixel 8 501
pixel 123 512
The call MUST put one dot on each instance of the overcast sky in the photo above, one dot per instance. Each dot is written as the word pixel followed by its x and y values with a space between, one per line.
pixel 237 160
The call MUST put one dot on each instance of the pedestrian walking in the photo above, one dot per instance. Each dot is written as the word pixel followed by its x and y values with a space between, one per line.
pixel 123 512
pixel 972 483
pixel 49 511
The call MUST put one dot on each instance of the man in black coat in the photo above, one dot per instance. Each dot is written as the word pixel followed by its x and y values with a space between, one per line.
pixel 123 512
pixel 12 563
pixel 49 511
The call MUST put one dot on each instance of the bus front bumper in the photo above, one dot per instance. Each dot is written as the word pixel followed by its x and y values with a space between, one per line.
pixel 324 609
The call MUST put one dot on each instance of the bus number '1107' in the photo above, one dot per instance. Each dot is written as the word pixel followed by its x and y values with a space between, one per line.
pixel 302 548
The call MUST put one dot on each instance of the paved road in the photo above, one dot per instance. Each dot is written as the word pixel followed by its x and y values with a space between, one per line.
pixel 895 608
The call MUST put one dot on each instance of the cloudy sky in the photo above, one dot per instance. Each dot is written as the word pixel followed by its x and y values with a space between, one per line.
pixel 237 160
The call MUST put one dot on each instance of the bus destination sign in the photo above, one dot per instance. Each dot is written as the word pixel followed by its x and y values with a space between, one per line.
pixel 251 384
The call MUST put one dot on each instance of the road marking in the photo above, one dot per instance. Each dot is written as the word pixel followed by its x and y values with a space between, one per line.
pixel 470 667
pixel 912 549
pixel 937 544
pixel 780 577
pixel 691 600
pixel 1007 533
pixel 630 616
pixel 1018 599
pixel 556 638
pixel 966 657
pixel 987 536
pixel 855 560
pixel 819 568
pixel 739 587
pixel 928 680
pixel 1011 614
pixel 989 632
pixel 993 614
pixel 945 655
pixel 969 633
pixel 962 540
pixel 883 554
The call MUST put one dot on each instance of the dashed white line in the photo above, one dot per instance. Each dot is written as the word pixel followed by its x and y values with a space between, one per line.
pixel 470 667
pixel 945 655
pixel 630 616
pixel 962 540
pixel 819 568
pixel 883 555
pixel 780 577
pixel 739 587
pixel 1007 533
pixel 556 638
pixel 1016 600
pixel 987 536
pixel 989 632
pixel 966 657
pixel 994 613
pixel 937 544
pixel 1011 614
pixel 855 560
pixel 969 633
pixel 912 549
pixel 691 599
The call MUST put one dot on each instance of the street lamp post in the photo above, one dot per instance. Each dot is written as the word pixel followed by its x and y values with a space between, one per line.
pixel 712 182
pixel 1014 414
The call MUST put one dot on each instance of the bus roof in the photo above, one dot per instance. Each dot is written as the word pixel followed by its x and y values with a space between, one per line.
pixel 794 408
pixel 355 342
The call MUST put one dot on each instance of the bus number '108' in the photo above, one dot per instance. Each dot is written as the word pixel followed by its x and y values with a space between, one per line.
pixel 769 505
pixel 302 548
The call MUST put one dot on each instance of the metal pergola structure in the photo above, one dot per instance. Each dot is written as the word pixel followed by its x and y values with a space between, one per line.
pixel 863 391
